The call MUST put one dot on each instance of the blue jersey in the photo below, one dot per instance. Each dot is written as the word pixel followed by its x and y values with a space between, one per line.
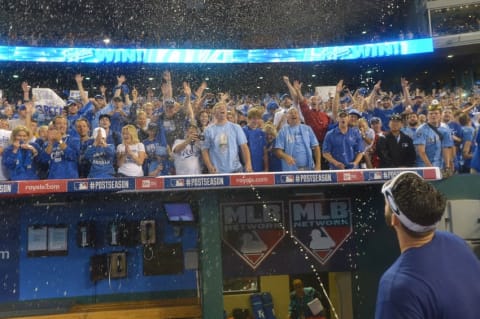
pixel 409 131
pixel 475 163
pixel 93 115
pixel 63 164
pixel 343 147
pixel 274 163
pixel 84 164
pixel 455 129
pixel 436 280
pixel 118 121
pixel 297 141
pixel 71 119
pixel 256 143
pixel 223 144
pixel 434 145
pixel 22 164
pixel 468 135
pixel 157 155
pixel 101 160
pixel 384 115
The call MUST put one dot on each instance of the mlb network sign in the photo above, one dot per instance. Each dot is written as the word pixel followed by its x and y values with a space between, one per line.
pixel 252 229
pixel 321 226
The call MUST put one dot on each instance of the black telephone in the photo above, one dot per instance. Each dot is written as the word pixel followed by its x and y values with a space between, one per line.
pixel 113 265
pixel 86 234
pixel 147 232
pixel 118 265
pixel 98 267
pixel 123 233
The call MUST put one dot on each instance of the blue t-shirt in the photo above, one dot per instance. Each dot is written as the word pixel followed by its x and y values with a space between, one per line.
pixel 455 129
pixel 384 115
pixel 425 135
pixel 223 144
pixel 83 163
pixel 475 163
pixel 101 159
pixel 21 165
pixel 343 147
pixel 157 154
pixel 297 141
pixel 71 119
pixel 409 131
pixel 256 143
pixel 468 134
pixel 63 164
pixel 437 280
pixel 274 163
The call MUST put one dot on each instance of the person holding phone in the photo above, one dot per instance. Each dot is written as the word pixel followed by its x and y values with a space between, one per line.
pixel 20 157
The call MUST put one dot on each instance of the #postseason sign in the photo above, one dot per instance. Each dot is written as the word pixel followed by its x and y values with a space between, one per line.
pixel 321 226
pixel 252 229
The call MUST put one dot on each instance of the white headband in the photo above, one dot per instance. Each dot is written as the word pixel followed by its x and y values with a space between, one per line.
pixel 387 192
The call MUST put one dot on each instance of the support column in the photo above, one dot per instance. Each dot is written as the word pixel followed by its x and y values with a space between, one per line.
pixel 211 280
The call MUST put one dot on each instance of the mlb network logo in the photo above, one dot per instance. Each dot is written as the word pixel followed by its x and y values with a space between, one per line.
pixel 81 186
pixel 321 226
pixel 178 182
pixel 287 178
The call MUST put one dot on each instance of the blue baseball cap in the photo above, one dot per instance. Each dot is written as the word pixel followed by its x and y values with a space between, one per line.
pixel 345 99
pixel 362 91
pixel 272 105
pixel 72 101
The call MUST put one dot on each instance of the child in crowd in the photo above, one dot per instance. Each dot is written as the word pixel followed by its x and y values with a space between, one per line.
pixel 255 139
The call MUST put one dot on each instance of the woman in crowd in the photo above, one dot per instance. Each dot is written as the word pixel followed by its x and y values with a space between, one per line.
pixel 142 125
pixel 203 120
pixel 187 153
pixel 130 153
pixel 20 157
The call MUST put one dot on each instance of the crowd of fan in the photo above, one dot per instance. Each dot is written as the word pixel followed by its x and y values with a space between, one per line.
pixel 259 41
pixel 200 132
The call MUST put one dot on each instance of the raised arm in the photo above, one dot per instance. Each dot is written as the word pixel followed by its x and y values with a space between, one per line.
pixel 167 85
pixel 26 91
pixel 372 97
pixel 291 89
pixel 406 92
pixel 187 103
pixel 118 89
pixel 83 96
pixel 336 100
pixel 297 86
pixel 197 105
